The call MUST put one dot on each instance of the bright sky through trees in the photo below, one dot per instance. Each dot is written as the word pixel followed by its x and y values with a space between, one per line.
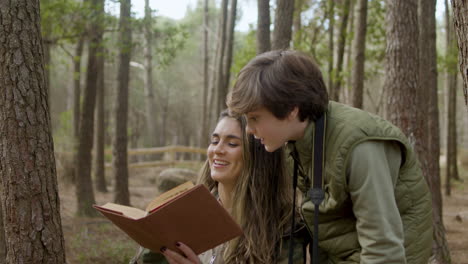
pixel 176 9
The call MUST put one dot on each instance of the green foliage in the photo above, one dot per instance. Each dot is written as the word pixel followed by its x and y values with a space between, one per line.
pixel 245 50
pixel 170 40
pixel 63 131
pixel 375 38
pixel 448 60
pixel 64 19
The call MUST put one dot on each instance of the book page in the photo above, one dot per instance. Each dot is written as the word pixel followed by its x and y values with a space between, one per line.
pixel 128 211
pixel 163 198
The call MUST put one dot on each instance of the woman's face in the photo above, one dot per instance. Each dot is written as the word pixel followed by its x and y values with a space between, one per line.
pixel 225 151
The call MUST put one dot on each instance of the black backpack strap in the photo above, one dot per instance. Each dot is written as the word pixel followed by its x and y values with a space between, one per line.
pixel 316 193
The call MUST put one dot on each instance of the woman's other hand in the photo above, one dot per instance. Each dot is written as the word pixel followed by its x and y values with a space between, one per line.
pixel 176 258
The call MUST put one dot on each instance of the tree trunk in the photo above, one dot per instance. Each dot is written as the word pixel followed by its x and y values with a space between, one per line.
pixel 429 118
pixel 451 88
pixel 76 102
pixel 219 82
pixel 84 186
pixel 452 166
pixel 120 162
pixel 99 172
pixel 2 235
pixel 76 86
pixel 337 79
pixel 460 21
pixel 263 26
pixel 29 193
pixel 151 111
pixel 331 42
pixel 204 129
pixel 359 52
pixel 297 22
pixel 345 94
pixel 47 62
pixel 283 24
pixel 228 57
pixel 402 67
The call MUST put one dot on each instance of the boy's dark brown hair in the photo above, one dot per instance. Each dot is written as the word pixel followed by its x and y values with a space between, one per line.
pixel 279 81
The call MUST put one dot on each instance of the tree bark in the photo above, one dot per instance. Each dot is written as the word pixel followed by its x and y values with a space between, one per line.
pixel 297 22
pixel 219 82
pixel 204 129
pixel 337 79
pixel 359 52
pixel 282 31
pixel 2 236
pixel 151 111
pixel 29 193
pixel 228 57
pixel 402 67
pixel 331 42
pixel 84 186
pixel 451 88
pixel 460 21
pixel 428 117
pixel 263 26
pixel 99 172
pixel 76 87
pixel 120 162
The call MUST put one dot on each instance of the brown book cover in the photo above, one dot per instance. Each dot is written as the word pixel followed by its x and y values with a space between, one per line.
pixel 189 214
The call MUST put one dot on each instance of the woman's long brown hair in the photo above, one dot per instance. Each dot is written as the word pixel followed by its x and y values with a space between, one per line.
pixel 262 202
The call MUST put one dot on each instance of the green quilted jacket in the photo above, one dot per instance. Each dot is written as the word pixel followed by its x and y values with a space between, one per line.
pixel 344 235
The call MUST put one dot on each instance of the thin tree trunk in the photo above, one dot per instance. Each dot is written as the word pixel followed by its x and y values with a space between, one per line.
pixel 76 103
pixel 335 91
pixel 331 42
pixel 451 87
pixel 84 186
pixel 219 82
pixel 228 57
pixel 99 172
pixel 120 162
pixel 204 129
pixel 297 22
pixel 28 187
pixel 402 67
pixel 282 31
pixel 345 94
pixel 429 119
pixel 452 166
pixel 359 52
pixel 263 26
pixel 151 111
pixel 460 20
pixel 76 86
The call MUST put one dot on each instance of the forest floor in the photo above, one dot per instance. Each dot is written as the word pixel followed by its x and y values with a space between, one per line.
pixel 96 240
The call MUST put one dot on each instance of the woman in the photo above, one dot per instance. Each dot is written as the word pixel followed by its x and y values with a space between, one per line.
pixel 243 175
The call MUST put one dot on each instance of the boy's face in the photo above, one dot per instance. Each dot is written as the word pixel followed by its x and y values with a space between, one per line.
pixel 271 131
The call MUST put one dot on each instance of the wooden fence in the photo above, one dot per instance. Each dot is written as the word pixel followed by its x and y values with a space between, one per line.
pixel 169 156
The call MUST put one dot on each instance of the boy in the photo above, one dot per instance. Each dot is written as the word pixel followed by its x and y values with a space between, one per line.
pixel 377 206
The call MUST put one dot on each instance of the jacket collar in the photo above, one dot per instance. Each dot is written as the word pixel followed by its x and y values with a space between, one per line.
pixel 304 145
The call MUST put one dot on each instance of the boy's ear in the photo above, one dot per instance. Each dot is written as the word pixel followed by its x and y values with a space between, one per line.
pixel 294 113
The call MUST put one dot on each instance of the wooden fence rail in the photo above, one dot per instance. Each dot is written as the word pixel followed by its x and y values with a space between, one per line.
pixel 167 160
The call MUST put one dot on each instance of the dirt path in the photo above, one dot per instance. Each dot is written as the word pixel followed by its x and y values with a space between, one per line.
pixel 98 241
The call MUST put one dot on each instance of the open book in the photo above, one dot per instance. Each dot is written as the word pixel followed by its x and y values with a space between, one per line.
pixel 187 213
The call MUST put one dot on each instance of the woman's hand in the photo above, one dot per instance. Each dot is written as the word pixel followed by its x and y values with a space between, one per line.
pixel 176 258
